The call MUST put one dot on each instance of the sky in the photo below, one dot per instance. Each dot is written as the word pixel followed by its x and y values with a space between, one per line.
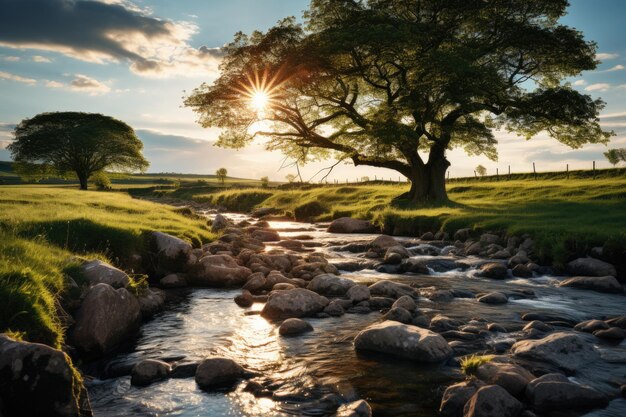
pixel 136 59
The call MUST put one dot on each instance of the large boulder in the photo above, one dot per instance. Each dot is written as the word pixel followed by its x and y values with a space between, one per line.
pixel 358 293
pixel 358 408
pixel 383 242
pixel 590 267
pixel 492 401
pixel 37 380
pixel 298 302
pixel 328 284
pixel 568 351
pixel 172 253
pixel 384 288
pixel 554 392
pixel 456 396
pixel 493 270
pixel 148 371
pixel 218 373
pixel 509 376
pixel 218 271
pixel 350 225
pixel 174 281
pixel 294 327
pixel 606 284
pixel 405 341
pixel 96 271
pixel 106 318
pixel 151 301
pixel 219 223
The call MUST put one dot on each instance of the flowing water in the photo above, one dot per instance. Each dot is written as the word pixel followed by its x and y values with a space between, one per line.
pixel 303 370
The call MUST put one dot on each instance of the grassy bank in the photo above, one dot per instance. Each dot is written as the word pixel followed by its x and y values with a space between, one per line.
pixel 44 229
pixel 566 216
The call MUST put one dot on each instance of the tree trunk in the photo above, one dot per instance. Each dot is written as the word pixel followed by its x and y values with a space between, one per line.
pixel 82 178
pixel 428 182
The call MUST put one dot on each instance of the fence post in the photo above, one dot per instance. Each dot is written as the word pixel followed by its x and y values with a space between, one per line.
pixel 509 172
pixel 534 171
pixel 497 175
pixel 475 176
pixel 567 171
pixel 594 170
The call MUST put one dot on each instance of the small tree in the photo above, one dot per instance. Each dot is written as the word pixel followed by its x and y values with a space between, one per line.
pixel 481 170
pixel 265 182
pixel 52 144
pixel 615 156
pixel 365 178
pixel 101 180
pixel 290 178
pixel 221 174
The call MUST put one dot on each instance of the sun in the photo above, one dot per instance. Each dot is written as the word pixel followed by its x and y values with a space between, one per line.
pixel 259 100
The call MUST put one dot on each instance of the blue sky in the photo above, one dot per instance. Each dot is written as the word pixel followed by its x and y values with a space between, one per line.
pixel 54 58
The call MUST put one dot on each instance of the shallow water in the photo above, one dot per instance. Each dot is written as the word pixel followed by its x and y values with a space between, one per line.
pixel 303 369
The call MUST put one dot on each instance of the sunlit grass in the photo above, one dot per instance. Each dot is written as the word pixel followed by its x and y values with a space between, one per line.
pixel 471 363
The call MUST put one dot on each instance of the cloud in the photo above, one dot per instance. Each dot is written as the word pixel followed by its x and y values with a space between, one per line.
pixel 41 59
pixel 111 31
pixel 89 85
pixel 613 115
pixel 598 87
pixel 54 84
pixel 606 56
pixel 613 69
pixel 580 82
pixel 18 78
pixel 11 58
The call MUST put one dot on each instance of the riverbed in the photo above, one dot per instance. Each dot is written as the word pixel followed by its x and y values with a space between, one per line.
pixel 310 373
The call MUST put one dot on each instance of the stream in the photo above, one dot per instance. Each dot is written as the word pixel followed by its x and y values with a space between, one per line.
pixel 309 371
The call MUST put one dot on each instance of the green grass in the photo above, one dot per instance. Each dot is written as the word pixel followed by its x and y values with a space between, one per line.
pixel 44 231
pixel 471 363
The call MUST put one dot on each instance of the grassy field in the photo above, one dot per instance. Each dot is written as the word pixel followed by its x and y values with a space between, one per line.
pixel 44 229
pixel 566 217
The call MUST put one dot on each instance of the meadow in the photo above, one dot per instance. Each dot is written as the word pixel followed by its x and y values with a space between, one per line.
pixel 44 233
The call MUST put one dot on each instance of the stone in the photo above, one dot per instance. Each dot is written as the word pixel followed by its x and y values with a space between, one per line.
pixel 298 302
pixel 151 301
pixel 462 234
pixel 266 235
pixel 106 318
pixel 358 408
pixel 441 296
pixel 403 340
pixel 294 327
pixel 398 314
pixel 281 286
pixel 456 396
pixel 591 267
pixel 554 392
pixel 383 242
pixel 590 326
pixel 328 284
pixel 358 293
pixel 428 236
pixel 148 371
pixel 613 333
pixel 440 323
pixel 391 289
pixel 494 298
pixel 218 271
pixel 377 303
pixel 245 299
pixel 492 401
pixel 509 376
pixel 406 303
pixel 218 373
pixel 538 325
pixel 335 308
pixel 493 270
pixel 350 225
pixel 393 258
pixel 172 253
pixel 173 281
pixel 96 271
pixel 607 284
pixel 255 282
pixel 38 380
pixel 568 351
pixel 219 223
pixel 489 239
pixel 522 271
pixel 496 328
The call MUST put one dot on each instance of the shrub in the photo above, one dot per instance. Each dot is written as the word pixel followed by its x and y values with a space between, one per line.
pixel 101 180
pixel 308 211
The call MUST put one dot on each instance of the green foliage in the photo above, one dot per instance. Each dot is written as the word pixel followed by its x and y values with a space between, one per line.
pixel 471 363
pixel 309 211
pixel 265 182
pixel 57 143
pixel 221 174
pixel 481 170
pixel 374 82
pixel 101 180
pixel 615 156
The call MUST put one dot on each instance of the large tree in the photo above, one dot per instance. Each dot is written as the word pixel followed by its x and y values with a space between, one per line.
pixel 83 143
pixel 397 83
